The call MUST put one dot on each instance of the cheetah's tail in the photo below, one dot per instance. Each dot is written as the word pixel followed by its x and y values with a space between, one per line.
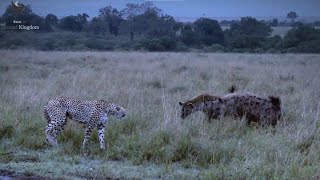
pixel 46 115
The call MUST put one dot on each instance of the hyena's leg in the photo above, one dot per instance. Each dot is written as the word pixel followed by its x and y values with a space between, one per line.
pixel 101 129
pixel 87 135
pixel 209 115
pixel 54 128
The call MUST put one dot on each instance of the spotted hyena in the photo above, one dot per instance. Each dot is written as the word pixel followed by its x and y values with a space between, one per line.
pixel 264 111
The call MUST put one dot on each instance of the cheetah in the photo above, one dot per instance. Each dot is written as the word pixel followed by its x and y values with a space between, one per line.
pixel 93 114
pixel 212 106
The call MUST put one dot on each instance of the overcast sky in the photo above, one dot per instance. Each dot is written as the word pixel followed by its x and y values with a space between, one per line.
pixel 180 8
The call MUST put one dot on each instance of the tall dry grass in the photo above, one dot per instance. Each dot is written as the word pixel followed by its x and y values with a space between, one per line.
pixel 150 85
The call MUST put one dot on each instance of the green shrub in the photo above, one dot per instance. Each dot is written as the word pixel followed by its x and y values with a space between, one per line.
pixel 215 48
pixel 273 51
pixel 302 39
pixel 182 47
pixel 153 45
pixel 169 43
pixel 98 44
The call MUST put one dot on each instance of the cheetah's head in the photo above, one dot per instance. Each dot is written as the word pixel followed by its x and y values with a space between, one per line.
pixel 118 111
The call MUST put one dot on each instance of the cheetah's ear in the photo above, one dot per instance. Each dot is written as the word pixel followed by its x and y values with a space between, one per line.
pixel 181 103
pixel 190 104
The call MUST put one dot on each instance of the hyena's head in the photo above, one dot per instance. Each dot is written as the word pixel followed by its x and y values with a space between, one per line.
pixel 203 102
pixel 187 109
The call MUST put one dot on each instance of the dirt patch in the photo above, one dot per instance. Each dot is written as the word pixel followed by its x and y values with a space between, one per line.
pixel 7 174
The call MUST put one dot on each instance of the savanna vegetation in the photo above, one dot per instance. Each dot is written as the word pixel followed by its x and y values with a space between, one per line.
pixel 153 141
pixel 144 27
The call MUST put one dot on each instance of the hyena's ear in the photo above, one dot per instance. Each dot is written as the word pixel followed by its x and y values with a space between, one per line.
pixel 181 103
pixel 232 89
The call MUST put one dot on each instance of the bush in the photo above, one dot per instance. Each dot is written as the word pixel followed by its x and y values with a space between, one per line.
pixel 272 51
pixel 169 43
pixel 247 42
pixel 99 44
pixel 188 37
pixel 48 44
pixel 215 48
pixel 182 47
pixel 209 31
pixel 274 42
pixel 302 39
pixel 153 45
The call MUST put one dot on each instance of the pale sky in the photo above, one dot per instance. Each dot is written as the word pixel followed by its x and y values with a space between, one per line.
pixel 181 8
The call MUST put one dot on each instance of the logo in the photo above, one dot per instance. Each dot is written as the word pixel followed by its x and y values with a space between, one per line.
pixel 17 7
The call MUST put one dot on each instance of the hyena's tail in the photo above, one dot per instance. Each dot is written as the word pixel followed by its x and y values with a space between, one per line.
pixel 232 89
pixel 275 101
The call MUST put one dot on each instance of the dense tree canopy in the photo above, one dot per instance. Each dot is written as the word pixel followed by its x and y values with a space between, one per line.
pixel 292 15
pixel 74 23
pixel 209 31
pixel 112 17
pixel 144 26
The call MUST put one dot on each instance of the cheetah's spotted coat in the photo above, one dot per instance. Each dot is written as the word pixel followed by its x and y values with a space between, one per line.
pixel 91 113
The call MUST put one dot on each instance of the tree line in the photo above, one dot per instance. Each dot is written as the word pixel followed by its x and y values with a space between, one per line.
pixel 145 27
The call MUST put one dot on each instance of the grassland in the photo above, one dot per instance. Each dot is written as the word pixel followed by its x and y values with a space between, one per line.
pixel 152 141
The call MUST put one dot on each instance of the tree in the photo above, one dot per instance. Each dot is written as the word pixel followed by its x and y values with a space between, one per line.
pixel 274 23
pixel 26 17
pixel 138 9
pixel 74 23
pixel 292 15
pixel 251 27
pixel 303 39
pixel 248 33
pixel 51 19
pixel 151 25
pixel 97 26
pixel 83 18
pixel 71 23
pixel 113 18
pixel 209 31
pixel 145 19
pixel 188 36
